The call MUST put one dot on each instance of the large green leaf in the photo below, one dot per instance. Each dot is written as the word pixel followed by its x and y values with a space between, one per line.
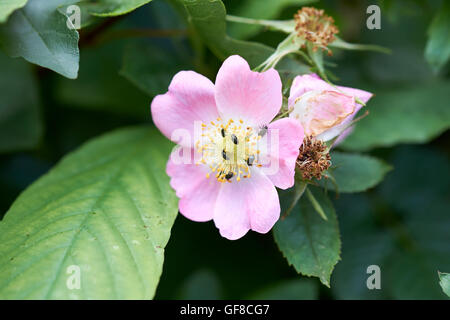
pixel 106 208
pixel 355 172
pixel 20 118
pixel 8 6
pixel 437 50
pixel 207 19
pixel 39 33
pixel 445 282
pixel 309 243
pixel 412 115
pixel 105 8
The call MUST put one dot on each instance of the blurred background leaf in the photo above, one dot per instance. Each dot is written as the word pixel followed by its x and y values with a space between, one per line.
pixel 300 289
pixel 152 75
pixel 437 51
pixel 203 284
pixel 21 125
pixel 354 172
pixel 260 9
pixel 109 8
pixel 410 115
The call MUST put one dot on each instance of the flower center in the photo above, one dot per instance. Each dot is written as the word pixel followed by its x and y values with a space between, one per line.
pixel 229 148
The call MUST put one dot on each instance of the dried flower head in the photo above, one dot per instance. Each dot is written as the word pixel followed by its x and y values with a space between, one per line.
pixel 315 26
pixel 313 158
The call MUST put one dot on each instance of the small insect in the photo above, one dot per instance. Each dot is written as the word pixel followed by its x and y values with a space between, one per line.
pixel 250 160
pixel 224 155
pixel 262 131
pixel 234 139
pixel 229 175
pixel 222 132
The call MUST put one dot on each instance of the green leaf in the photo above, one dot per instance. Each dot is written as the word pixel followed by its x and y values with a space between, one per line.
pixel 261 9
pixel 341 44
pixel 355 172
pixel 207 19
pixel 109 8
pixel 106 208
pixel 445 282
pixel 298 289
pixel 412 115
pixel 437 50
pixel 8 6
pixel 39 33
pixel 20 118
pixel 151 68
pixel 309 243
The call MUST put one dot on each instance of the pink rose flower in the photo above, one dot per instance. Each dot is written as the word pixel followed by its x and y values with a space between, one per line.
pixel 324 112
pixel 232 181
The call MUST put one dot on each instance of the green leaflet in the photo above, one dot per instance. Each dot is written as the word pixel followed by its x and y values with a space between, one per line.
pixel 412 115
pixel 20 117
pixel 39 33
pixel 309 243
pixel 8 6
pixel 355 172
pixel 106 208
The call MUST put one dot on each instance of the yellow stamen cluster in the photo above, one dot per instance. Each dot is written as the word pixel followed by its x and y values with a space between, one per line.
pixel 315 26
pixel 229 148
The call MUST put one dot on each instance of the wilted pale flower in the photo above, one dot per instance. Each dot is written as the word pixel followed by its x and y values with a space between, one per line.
pixel 232 182
pixel 315 26
pixel 324 111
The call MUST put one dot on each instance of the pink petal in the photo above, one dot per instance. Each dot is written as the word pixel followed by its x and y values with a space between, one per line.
pixel 290 136
pixel 305 83
pixel 243 94
pixel 340 129
pixel 318 111
pixel 190 98
pixel 309 82
pixel 197 193
pixel 248 204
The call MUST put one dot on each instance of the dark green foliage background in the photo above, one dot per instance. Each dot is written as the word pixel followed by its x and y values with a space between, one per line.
pixel 402 225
